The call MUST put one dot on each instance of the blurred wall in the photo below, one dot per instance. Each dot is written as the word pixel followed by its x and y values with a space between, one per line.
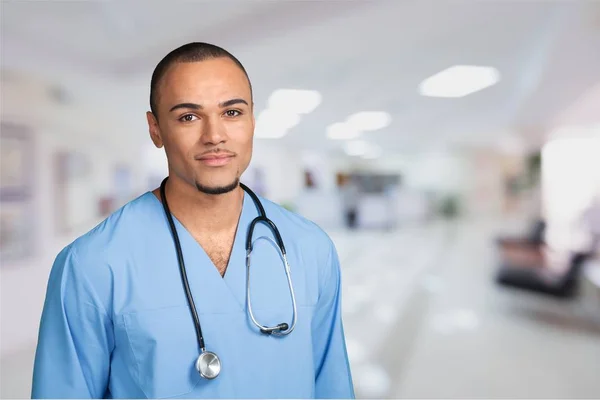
pixel 54 127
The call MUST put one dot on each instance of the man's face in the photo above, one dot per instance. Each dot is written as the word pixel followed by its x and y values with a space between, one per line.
pixel 206 123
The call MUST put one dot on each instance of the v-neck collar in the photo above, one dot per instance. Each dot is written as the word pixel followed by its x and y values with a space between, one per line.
pixel 234 279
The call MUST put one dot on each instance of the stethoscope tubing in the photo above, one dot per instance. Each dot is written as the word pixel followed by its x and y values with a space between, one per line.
pixel 279 330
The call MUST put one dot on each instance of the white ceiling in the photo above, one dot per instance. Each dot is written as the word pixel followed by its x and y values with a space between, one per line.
pixel 361 55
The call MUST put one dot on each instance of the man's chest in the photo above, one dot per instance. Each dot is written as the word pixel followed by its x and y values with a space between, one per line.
pixel 217 247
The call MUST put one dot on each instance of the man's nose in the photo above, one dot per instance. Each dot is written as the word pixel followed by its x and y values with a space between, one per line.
pixel 214 131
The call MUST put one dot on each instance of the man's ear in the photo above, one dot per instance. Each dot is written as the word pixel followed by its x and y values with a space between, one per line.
pixel 154 130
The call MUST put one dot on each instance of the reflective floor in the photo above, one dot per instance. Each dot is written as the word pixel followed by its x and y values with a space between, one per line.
pixel 423 319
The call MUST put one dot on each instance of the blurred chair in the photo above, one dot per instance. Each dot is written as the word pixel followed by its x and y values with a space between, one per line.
pixel 523 264
pixel 533 274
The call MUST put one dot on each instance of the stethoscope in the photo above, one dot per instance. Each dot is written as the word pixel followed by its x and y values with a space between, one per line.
pixel 208 363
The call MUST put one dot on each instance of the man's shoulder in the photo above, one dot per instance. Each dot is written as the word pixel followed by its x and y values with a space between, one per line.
pixel 308 238
pixel 118 229
pixel 88 263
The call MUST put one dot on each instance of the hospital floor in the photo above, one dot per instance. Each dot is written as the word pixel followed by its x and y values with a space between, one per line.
pixel 423 319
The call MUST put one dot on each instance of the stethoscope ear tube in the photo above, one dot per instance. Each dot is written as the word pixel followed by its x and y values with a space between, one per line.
pixel 271 225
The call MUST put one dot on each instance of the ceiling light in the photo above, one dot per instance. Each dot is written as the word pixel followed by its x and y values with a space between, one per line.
pixel 273 124
pixel 356 148
pixel 369 120
pixel 341 131
pixel 372 153
pixel 459 81
pixel 294 101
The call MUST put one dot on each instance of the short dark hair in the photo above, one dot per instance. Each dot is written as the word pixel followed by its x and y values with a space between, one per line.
pixel 191 52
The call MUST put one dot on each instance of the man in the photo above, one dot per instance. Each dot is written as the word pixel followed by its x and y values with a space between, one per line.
pixel 350 193
pixel 117 321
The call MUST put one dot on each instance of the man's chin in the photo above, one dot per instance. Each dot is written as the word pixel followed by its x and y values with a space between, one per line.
pixel 217 189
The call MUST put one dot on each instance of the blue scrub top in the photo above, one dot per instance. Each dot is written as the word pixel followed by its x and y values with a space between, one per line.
pixel 116 322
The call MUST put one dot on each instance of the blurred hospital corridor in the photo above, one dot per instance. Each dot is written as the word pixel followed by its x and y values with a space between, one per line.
pixel 450 150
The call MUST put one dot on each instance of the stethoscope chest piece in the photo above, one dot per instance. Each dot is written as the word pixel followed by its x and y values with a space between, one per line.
pixel 208 365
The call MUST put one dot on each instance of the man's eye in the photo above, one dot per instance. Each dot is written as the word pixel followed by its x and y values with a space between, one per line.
pixel 232 113
pixel 187 118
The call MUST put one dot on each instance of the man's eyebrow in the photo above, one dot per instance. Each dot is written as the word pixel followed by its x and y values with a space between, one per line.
pixel 232 102
pixel 195 106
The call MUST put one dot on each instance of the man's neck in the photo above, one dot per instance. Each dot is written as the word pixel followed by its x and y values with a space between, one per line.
pixel 201 212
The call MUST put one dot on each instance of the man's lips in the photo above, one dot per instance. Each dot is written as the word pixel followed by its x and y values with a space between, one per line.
pixel 215 156
pixel 215 160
